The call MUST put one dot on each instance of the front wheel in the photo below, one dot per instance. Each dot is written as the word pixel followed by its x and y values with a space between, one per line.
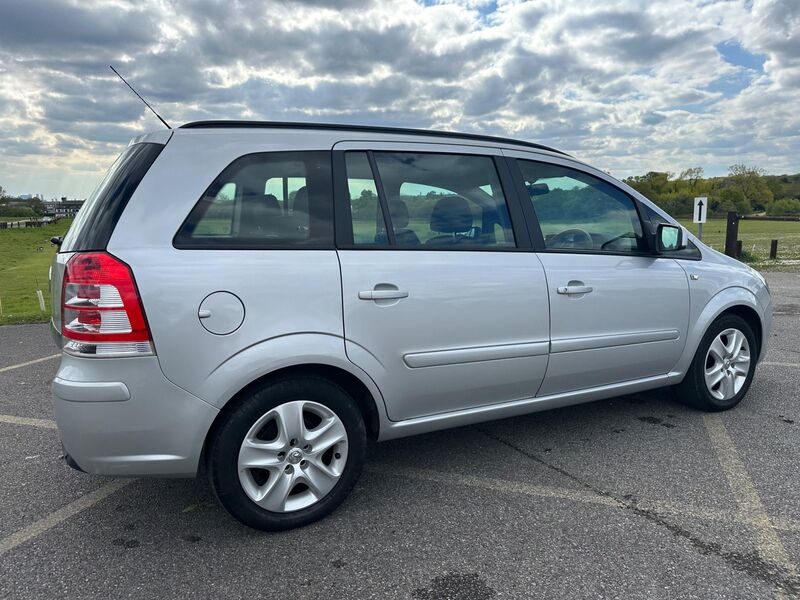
pixel 288 454
pixel 723 367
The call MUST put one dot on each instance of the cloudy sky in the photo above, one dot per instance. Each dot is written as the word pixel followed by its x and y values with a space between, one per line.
pixel 627 85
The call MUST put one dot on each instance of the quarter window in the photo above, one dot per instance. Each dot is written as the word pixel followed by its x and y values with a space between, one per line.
pixel 446 201
pixel 262 201
pixel 691 251
pixel 577 211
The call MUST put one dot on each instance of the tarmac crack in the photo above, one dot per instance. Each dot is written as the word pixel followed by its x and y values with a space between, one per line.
pixel 751 564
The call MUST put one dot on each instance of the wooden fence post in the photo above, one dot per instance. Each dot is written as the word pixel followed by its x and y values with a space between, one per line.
pixel 732 234
pixel 773 249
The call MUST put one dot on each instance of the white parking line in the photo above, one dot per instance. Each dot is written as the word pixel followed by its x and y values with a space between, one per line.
pixel 576 495
pixel 30 362
pixel 751 508
pixel 45 423
pixel 73 508
pixel 781 364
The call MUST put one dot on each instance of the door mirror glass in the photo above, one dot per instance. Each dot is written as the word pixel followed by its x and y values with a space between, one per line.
pixel 669 237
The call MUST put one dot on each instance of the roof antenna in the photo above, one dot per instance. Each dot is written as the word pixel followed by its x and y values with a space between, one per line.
pixel 140 98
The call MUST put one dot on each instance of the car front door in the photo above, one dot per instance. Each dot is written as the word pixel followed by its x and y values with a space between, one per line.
pixel 618 312
pixel 446 308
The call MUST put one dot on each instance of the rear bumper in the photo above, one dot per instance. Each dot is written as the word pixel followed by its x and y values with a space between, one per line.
pixel 123 417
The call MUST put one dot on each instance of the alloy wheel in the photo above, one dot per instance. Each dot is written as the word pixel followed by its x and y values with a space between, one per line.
pixel 727 364
pixel 292 456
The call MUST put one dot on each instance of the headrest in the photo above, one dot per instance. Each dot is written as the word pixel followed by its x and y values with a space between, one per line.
pixel 399 213
pixel 271 202
pixel 258 213
pixel 451 214
pixel 301 200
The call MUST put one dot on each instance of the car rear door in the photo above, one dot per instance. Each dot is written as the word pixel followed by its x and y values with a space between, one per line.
pixel 446 309
pixel 618 312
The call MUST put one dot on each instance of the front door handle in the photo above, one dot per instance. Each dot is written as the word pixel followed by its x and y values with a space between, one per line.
pixel 382 295
pixel 574 289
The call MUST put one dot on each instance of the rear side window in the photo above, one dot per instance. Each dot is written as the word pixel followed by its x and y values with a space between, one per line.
pixel 97 218
pixel 267 200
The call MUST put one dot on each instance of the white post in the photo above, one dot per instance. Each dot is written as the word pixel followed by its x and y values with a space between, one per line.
pixel 40 296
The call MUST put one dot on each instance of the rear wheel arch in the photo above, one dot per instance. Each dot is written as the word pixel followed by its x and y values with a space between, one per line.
pixel 351 384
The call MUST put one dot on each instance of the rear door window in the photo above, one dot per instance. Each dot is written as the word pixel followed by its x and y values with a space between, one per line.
pixel 98 216
pixel 266 200
pixel 440 201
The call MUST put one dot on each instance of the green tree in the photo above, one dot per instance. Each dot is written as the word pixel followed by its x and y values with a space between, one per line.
pixel 692 175
pixel 783 207
pixel 650 184
pixel 733 197
pixel 750 181
pixel 37 205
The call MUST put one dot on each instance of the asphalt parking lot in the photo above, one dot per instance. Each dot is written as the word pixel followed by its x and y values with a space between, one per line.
pixel 635 496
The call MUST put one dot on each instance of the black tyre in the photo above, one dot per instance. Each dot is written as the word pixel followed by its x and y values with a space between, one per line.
pixel 287 454
pixel 722 368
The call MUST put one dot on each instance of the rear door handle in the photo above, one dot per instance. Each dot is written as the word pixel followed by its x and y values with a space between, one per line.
pixel 382 295
pixel 574 289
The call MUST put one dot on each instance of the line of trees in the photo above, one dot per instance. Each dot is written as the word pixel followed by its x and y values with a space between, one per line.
pixel 745 189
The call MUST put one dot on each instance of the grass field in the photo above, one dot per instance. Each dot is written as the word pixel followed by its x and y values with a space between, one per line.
pixel 23 266
pixel 756 237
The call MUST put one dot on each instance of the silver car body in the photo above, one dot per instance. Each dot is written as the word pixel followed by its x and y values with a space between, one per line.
pixel 449 354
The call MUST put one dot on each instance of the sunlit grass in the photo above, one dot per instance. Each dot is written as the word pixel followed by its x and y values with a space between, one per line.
pixel 25 256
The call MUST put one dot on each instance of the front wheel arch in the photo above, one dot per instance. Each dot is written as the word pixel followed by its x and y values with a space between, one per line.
pixel 751 317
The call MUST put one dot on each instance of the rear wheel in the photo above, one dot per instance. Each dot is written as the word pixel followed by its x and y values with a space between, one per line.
pixel 288 454
pixel 723 367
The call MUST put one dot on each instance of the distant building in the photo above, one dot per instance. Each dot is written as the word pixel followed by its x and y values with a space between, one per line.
pixel 63 208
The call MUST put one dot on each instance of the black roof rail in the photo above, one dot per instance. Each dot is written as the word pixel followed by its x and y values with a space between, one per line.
pixel 370 128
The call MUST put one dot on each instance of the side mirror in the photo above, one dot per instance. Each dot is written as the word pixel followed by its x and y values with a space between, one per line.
pixel 538 189
pixel 669 238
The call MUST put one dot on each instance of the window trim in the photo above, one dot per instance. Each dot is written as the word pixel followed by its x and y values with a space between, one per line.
pixel 343 217
pixel 535 227
pixel 247 244
pixel 391 237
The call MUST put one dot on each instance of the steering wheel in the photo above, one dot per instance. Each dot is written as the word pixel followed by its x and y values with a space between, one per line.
pixel 571 238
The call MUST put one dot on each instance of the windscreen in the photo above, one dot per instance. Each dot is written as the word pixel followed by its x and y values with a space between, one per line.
pixel 97 217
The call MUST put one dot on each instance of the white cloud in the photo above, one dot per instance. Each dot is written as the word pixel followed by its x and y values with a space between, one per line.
pixel 628 85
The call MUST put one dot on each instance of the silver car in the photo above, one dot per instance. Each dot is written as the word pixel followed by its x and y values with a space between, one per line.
pixel 264 299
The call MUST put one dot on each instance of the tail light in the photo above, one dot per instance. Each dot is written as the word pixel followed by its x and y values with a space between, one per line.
pixel 101 313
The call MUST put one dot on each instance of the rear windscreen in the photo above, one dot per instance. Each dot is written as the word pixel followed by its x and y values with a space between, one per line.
pixel 97 217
